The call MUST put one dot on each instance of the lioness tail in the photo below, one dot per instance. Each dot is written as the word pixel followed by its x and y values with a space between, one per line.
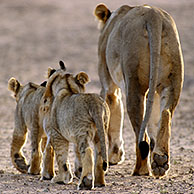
pixel 154 28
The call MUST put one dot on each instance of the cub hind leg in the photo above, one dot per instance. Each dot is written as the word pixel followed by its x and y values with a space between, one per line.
pixel 77 163
pixel 87 158
pixel 18 141
pixel 61 148
pixel 36 154
pixel 48 160
pixel 99 171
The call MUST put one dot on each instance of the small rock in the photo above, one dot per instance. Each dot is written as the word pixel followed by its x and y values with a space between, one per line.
pixel 181 148
pixel 46 190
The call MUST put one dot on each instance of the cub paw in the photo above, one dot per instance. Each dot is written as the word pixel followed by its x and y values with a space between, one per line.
pixel 63 179
pixel 68 177
pixel 87 183
pixel 57 179
pixel 20 163
pixel 100 184
pixel 46 176
pixel 78 172
pixel 160 165
pixel 33 170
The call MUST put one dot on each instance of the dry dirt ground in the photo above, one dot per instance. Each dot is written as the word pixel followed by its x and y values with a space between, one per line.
pixel 37 34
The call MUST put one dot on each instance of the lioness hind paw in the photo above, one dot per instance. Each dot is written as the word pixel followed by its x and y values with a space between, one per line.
pixel 160 165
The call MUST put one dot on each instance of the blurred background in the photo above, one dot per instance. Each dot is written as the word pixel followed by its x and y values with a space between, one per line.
pixel 37 34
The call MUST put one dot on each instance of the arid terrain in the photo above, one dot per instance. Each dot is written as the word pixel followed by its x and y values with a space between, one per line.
pixel 37 34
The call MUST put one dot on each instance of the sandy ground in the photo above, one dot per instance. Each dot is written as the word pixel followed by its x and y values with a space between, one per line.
pixel 37 34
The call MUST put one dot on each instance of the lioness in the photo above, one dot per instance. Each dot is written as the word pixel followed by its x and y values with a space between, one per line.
pixel 27 117
pixel 139 51
pixel 81 118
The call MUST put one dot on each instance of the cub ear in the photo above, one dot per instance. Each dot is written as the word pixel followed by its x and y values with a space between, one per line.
pixel 50 72
pixel 82 78
pixel 13 85
pixel 102 13
pixel 48 91
pixel 62 65
pixel 33 85
pixel 43 84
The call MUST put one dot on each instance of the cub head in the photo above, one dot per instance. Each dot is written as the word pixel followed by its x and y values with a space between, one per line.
pixel 51 71
pixel 20 90
pixel 66 83
pixel 61 83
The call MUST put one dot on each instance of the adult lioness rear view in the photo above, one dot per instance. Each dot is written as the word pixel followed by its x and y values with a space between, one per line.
pixel 139 51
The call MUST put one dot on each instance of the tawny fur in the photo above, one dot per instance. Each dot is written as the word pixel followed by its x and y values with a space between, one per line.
pixel 74 116
pixel 27 116
pixel 139 51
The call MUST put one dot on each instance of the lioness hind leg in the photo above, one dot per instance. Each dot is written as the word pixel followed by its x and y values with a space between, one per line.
pixel 135 109
pixel 116 149
pixel 48 161
pixel 18 140
pixel 160 156
pixel 158 159
pixel 61 148
pixel 113 96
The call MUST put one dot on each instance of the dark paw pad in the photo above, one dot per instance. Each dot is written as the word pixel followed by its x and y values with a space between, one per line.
pixel 47 178
pixel 160 160
pixel 159 165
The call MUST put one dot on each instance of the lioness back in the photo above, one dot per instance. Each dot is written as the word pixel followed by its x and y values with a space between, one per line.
pixel 126 31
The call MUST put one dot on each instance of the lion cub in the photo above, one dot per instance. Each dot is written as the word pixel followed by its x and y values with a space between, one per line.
pixel 81 118
pixel 27 117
